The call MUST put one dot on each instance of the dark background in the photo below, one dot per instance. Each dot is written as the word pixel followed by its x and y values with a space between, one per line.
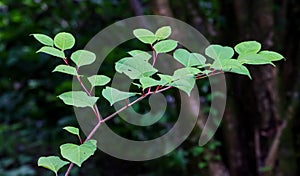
pixel 259 134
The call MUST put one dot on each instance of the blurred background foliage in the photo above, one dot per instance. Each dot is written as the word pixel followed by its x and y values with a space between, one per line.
pixel 259 112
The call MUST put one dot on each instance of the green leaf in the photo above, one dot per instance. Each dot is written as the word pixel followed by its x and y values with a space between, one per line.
pixel 43 39
pixel 52 163
pixel 184 79
pixel 254 59
pixel 231 65
pixel 64 40
pixel 83 57
pixel 114 95
pixel 135 68
pixel 271 55
pixel 165 46
pixel 219 52
pixel 148 82
pixel 163 32
pixel 144 36
pixel 66 69
pixel 78 99
pixel 98 80
pixel 165 79
pixel 138 54
pixel 52 51
pixel 247 47
pixel 136 84
pixel 189 59
pixel 72 130
pixel 77 154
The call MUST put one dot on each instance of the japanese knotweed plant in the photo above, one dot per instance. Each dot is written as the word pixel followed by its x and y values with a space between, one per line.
pixel 139 67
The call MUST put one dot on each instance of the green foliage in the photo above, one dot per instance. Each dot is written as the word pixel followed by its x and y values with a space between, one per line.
pixel 114 95
pixel 137 67
pixel 52 163
pixel 77 154
pixel 78 99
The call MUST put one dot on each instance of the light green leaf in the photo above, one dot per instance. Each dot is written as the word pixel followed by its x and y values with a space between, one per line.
pixel 114 95
pixel 136 84
pixel 163 32
pixel 98 80
pixel 219 52
pixel 77 154
pixel 271 55
pixel 138 54
pixel 144 36
pixel 231 65
pixel 189 59
pixel 83 57
pixel 184 79
pixel 165 79
pixel 148 82
pixel 52 51
pixel 165 46
pixel 52 163
pixel 135 68
pixel 72 130
pixel 78 99
pixel 247 47
pixel 43 39
pixel 65 69
pixel 64 40
pixel 254 59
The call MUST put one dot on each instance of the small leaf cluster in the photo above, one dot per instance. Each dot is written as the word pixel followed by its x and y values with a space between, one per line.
pixel 140 67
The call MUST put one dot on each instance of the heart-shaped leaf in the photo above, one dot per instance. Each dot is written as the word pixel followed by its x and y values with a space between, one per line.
pixel 189 59
pixel 163 32
pixel 72 130
pixel 64 40
pixel 52 163
pixel 247 47
pixel 149 82
pixel 77 154
pixel 98 80
pixel 78 99
pixel 144 36
pixel 138 54
pixel 83 57
pixel 52 51
pixel 165 46
pixel 66 69
pixel 135 68
pixel 114 95
pixel 43 39
pixel 219 52
pixel 231 65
